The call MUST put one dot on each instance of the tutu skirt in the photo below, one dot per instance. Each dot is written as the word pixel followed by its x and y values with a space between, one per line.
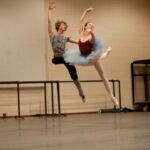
pixel 74 57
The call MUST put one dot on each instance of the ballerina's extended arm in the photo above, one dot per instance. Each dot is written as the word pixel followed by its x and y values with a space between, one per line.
pixel 81 26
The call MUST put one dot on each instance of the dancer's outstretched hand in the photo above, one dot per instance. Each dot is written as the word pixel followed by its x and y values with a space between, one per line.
pixel 89 9
pixel 51 6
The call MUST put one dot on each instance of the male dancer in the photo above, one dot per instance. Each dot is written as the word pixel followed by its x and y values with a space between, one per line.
pixel 58 42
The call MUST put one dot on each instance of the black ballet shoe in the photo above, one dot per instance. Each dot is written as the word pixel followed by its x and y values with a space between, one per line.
pixel 83 98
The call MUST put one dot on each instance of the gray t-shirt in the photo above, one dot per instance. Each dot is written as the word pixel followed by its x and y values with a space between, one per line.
pixel 58 43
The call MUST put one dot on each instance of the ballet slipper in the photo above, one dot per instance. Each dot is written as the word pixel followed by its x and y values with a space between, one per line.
pixel 83 98
pixel 115 101
pixel 106 53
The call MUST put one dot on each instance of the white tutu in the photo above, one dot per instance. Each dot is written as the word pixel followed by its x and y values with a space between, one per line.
pixel 74 57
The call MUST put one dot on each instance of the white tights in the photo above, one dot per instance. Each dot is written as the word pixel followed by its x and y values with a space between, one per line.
pixel 99 67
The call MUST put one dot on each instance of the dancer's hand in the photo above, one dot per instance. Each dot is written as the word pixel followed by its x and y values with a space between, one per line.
pixel 51 6
pixel 89 9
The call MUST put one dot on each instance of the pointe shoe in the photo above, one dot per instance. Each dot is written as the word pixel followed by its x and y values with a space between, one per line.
pixel 83 98
pixel 107 52
pixel 115 101
pixel 109 49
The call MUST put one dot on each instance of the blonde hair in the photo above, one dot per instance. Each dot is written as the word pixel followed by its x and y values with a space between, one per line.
pixel 58 23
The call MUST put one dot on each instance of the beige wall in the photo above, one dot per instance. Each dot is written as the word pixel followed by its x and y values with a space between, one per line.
pixel 22 40
pixel 123 24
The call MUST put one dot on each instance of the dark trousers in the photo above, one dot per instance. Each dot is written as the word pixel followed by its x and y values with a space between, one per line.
pixel 71 69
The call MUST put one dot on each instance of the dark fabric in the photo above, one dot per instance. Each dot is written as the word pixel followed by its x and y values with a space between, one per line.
pixel 71 69
pixel 85 47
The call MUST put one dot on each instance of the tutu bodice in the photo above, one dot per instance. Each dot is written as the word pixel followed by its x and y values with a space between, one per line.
pixel 85 54
pixel 85 47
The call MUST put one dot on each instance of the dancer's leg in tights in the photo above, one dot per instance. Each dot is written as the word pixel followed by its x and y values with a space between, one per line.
pixel 100 70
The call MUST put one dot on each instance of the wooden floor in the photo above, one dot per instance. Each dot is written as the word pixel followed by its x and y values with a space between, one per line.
pixel 108 131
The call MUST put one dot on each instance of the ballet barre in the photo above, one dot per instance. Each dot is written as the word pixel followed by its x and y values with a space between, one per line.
pixel 52 83
pixel 17 85
pixel 114 82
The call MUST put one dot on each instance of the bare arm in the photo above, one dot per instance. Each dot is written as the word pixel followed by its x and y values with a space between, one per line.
pixel 82 18
pixel 73 41
pixel 50 8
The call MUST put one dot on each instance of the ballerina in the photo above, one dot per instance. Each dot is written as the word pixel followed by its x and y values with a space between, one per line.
pixel 90 51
